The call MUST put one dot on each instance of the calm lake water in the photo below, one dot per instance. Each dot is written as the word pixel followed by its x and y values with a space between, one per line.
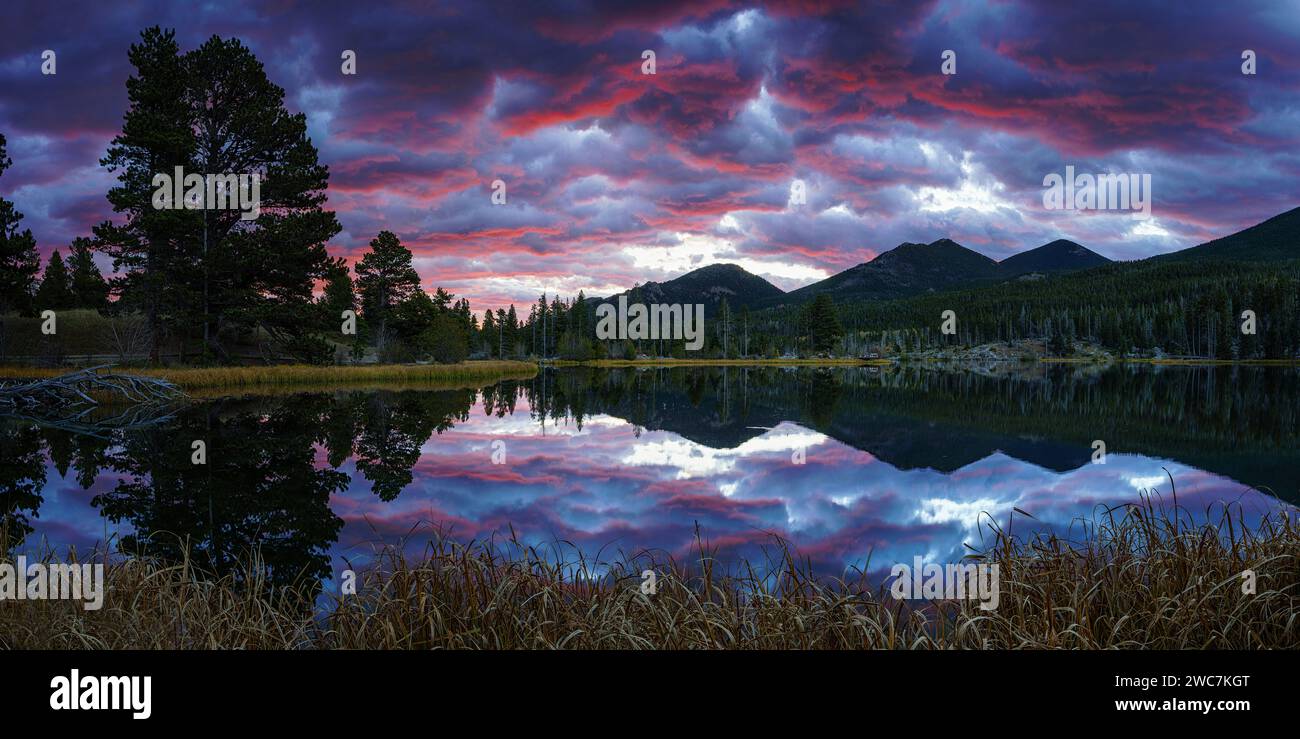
pixel 847 464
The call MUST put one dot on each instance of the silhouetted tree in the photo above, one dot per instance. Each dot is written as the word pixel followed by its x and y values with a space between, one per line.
pixel 19 261
pixel 89 288
pixel 55 292
pixel 385 279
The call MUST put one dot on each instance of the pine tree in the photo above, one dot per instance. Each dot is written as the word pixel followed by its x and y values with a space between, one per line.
pixel 257 273
pixel 489 334
pixel 88 284
pixel 156 137
pixel 213 112
pixel 19 261
pixel 385 278
pixel 501 333
pixel 823 324
pixel 447 335
pixel 578 315
pixel 541 342
pixel 511 330
pixel 55 292
pixel 465 318
pixel 339 294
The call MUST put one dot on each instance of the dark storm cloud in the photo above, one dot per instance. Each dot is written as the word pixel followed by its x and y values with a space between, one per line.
pixel 747 98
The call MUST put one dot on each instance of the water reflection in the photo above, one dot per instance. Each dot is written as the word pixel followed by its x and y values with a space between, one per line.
pixel 855 466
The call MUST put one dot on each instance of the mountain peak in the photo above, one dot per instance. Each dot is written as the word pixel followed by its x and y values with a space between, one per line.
pixel 908 269
pixel 720 268
pixel 1061 255
pixel 710 284
pixel 917 250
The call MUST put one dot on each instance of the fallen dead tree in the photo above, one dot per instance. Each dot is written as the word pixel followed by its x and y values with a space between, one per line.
pixel 84 390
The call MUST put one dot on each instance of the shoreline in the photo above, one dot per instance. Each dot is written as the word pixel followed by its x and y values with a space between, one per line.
pixel 301 375
pixel 885 362
pixel 473 371
pixel 844 362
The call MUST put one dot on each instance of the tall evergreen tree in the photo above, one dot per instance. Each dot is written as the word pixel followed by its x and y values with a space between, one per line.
pixel 488 334
pixel 213 112
pixel 501 333
pixel 156 137
pixel 88 284
pixel 19 261
pixel 468 324
pixel 339 294
pixel 823 322
pixel 257 273
pixel 385 278
pixel 55 292
pixel 511 331
pixel 541 345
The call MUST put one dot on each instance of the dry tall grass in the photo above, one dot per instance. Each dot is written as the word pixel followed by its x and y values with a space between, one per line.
pixel 306 375
pixel 1140 577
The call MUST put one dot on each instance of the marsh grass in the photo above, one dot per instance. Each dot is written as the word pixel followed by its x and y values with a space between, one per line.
pixel 304 375
pixel 149 604
pixel 1139 576
pixel 757 362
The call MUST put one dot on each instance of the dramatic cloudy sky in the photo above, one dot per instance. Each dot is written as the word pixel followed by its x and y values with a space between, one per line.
pixel 615 177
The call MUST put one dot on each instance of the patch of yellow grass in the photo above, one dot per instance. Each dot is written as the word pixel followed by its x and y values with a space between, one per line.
pixel 303 375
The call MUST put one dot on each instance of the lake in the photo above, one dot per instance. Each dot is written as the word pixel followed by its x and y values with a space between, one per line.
pixel 857 467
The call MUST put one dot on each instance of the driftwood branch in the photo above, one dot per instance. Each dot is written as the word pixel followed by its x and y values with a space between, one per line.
pixel 83 390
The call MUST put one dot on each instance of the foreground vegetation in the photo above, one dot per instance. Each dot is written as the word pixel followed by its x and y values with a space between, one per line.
pixel 303 375
pixel 1140 577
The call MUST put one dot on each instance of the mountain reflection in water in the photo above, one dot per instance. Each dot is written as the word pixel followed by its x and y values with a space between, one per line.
pixel 896 463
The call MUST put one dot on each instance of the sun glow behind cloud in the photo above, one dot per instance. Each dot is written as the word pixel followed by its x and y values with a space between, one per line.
pixel 692 251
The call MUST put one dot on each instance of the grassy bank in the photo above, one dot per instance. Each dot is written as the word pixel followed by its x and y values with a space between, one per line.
pixel 911 360
pixel 851 362
pixel 319 376
pixel 1142 578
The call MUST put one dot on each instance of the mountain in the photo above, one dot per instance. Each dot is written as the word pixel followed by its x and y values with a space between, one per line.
pixel 1058 256
pixel 709 285
pixel 911 269
pixel 907 269
pixel 1274 239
